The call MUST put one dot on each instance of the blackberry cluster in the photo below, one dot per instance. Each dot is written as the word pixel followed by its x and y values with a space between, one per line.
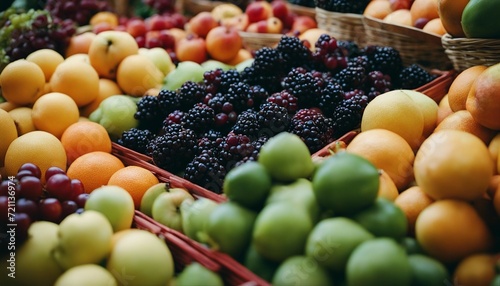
pixel 206 171
pixel 168 101
pixel 266 70
pixel 273 119
pixel 247 124
pixel 229 104
pixel 173 149
pixel 219 81
pixel 293 51
pixel 174 117
pixel 210 142
pixel 377 83
pixel 233 148
pixel 352 77
pixel 199 118
pixel 254 156
pixel 384 59
pixel 149 114
pixel 347 115
pixel 285 99
pixel 414 76
pixel 189 94
pixel 313 128
pixel 343 6
pixel 327 55
pixel 303 85
pixel 136 139
pixel 331 95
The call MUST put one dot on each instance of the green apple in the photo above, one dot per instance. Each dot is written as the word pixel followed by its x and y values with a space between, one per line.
pixel 346 183
pixel 150 196
pixel 246 63
pixel 141 258
pixel 379 261
pixel 195 216
pixel 301 270
pixel 212 64
pixel 299 192
pixel 166 207
pixel 262 267
pixel 411 245
pixel 427 271
pixel 286 157
pixel 115 203
pixel 383 218
pixel 332 241
pixel 248 184
pixel 185 71
pixel 116 114
pixel 34 264
pixel 160 58
pixel 229 229
pixel 86 275
pixel 281 230
pixel 197 274
pixel 83 238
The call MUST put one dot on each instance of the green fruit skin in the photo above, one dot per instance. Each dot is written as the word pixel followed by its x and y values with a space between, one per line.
pixel 286 157
pixel 411 245
pixel 281 231
pixel 479 19
pixel 197 274
pixel 195 216
pixel 427 271
pixel 496 280
pixel 259 265
pixel 149 197
pixel 248 184
pixel 332 241
pixel 301 270
pixel 229 228
pixel 346 183
pixel 383 219
pixel 380 261
pixel 299 192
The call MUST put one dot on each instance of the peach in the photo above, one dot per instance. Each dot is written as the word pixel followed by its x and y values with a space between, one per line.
pixel 223 43
pixel 303 23
pixel 79 44
pixel 378 9
pixel 191 48
pixel 399 17
pixel 202 23
pixel 258 10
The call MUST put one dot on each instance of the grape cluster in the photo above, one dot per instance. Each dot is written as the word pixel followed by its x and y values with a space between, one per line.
pixel 161 6
pixel 78 11
pixel 51 201
pixel 25 32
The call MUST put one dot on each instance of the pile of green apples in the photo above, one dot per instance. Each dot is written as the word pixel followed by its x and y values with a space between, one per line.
pixel 294 220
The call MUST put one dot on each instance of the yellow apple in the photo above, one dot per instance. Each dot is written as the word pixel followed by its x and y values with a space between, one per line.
pixel 137 73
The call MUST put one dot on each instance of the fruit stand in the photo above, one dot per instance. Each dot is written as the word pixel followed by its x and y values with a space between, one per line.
pixel 262 142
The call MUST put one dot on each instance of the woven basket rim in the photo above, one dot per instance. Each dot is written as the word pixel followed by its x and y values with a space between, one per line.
pixel 269 36
pixel 449 41
pixel 336 14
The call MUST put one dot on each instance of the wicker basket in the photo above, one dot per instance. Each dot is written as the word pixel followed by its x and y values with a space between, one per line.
pixel 302 10
pixel 414 45
pixel 343 26
pixel 466 52
pixel 255 41
pixel 193 7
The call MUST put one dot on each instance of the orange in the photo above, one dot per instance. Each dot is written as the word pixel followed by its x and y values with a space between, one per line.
pixel 38 147
pixel 483 100
pixel 426 9
pixel 434 26
pixel 450 12
pixel 387 189
pixel 22 82
pixel 450 230
pixel 107 88
pixel 94 169
pixel 8 131
pixel 412 202
pixel 387 151
pixel 47 60
pixel 136 180
pixel 77 79
pixel 104 17
pixel 460 87
pixel 477 269
pixel 54 112
pixel 84 137
pixel 453 164
pixel 23 119
pixel 443 109
pixel 462 120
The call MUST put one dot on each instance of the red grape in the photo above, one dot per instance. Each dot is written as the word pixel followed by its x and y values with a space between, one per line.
pixel 23 223
pixel 28 207
pixel 31 188
pixel 4 209
pixel 81 200
pixel 10 188
pixel 52 171
pixel 77 188
pixel 59 186
pixel 4 188
pixel 68 207
pixel 50 210
pixel 23 173
pixel 35 170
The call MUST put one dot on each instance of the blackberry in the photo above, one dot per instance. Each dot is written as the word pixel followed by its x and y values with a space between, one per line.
pixel 343 6
pixel 257 95
pixel 136 139
pixel 273 119
pixel 235 100
pixel 168 101
pixel 268 60
pixel 254 77
pixel 303 3
pixel 328 56
pixel 414 76
pixel 247 124
pixel 359 61
pixel 149 113
pixel 286 99
pixel 219 81
pixel 211 80
pixel 209 144
pixel 331 95
pixel 377 83
pixel 173 149
pixel 350 48
pixel 303 85
pixel 313 128
pixel 384 59
pixel 254 156
pixel 206 171
pixel 234 147
pixel 352 77
pixel 347 116
pixel 189 94
pixel 199 118
pixel 174 117
pixel 293 51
